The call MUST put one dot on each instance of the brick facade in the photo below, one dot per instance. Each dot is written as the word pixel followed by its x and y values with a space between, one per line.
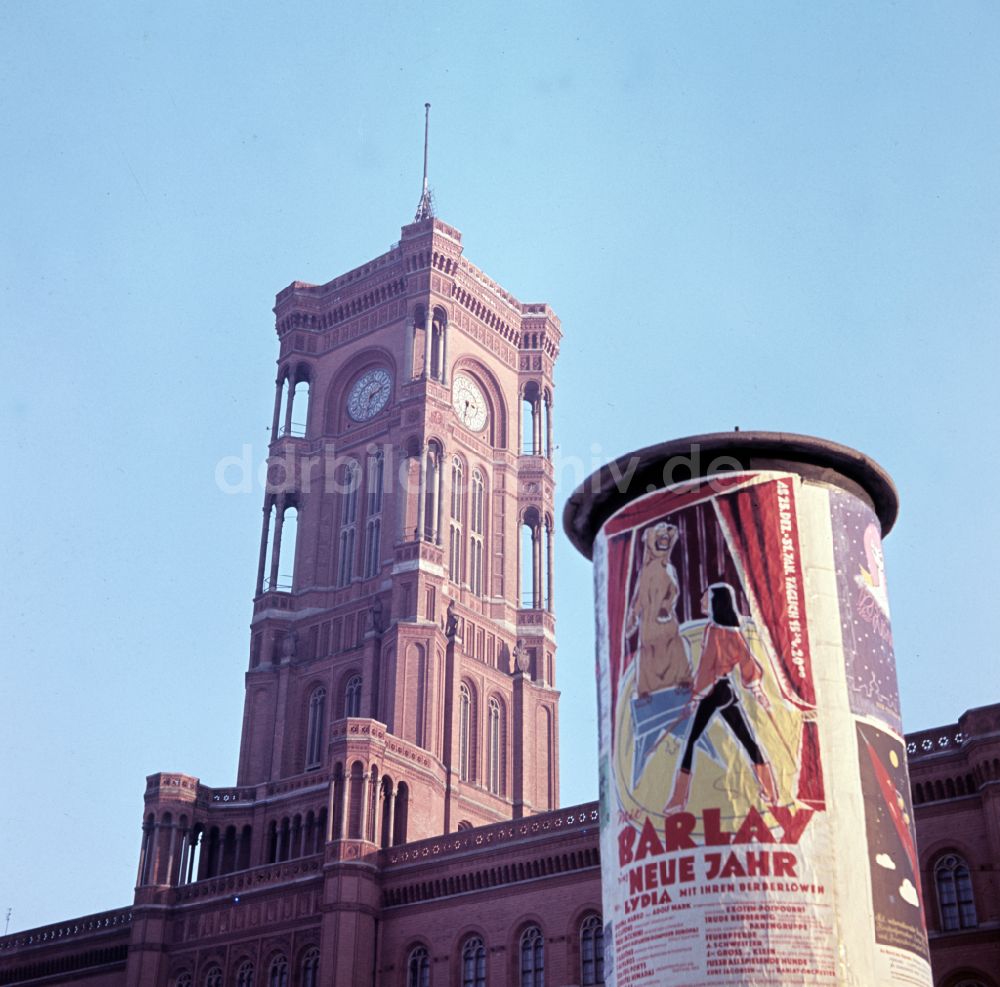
pixel 955 779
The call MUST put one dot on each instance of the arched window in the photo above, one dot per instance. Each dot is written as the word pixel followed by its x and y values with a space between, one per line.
pixel 277 975
pixel 314 731
pixel 592 950
pixel 464 729
pixel 298 409
pixel 183 980
pixel 310 968
pixel 214 977
pixel 373 526
pixel 956 906
pixel 532 957
pixel 474 963
pixel 352 696
pixel 348 523
pixel 477 529
pixel 286 556
pixel 497 748
pixel 455 525
pixel 418 968
pixel 244 976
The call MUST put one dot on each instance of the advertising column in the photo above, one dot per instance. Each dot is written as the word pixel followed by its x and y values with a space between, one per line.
pixel 756 827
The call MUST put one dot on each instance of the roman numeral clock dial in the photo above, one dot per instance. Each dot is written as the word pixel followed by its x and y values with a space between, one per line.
pixel 469 403
pixel 369 395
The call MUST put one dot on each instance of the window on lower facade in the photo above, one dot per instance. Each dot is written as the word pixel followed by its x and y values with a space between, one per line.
pixel 532 958
pixel 953 882
pixel 592 950
pixel 418 968
pixel 474 963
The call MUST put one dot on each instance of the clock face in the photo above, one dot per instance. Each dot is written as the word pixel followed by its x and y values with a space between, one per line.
pixel 469 403
pixel 369 395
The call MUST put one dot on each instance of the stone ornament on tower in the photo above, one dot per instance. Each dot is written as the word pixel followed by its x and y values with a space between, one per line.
pixel 522 657
pixel 451 622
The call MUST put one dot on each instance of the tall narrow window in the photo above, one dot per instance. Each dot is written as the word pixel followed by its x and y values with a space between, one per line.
pixel 592 950
pixel 373 524
pixel 310 968
pixel 298 411
pixel 956 905
pixel 348 524
pixel 532 958
pixel 277 975
pixel 214 977
pixel 352 696
pixel 464 728
pixel 455 530
pixel 244 976
pixel 286 559
pixel 498 749
pixel 474 963
pixel 418 968
pixel 477 528
pixel 314 730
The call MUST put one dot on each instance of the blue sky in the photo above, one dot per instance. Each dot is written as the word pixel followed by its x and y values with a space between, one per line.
pixel 779 216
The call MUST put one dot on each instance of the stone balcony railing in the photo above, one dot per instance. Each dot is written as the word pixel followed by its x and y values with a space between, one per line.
pixel 76 928
pixel 302 868
pixel 580 819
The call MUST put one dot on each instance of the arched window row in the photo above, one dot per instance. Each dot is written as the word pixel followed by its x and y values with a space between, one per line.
pixel 176 851
pixel 947 788
pixel 491 878
pixel 368 805
pixel 297 835
pixel 955 899
pixel 472 952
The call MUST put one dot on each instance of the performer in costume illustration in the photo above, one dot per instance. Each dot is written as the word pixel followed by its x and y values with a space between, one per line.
pixel 663 659
pixel 724 650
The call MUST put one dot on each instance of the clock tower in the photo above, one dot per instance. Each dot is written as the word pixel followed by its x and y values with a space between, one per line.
pixel 402 642
pixel 401 676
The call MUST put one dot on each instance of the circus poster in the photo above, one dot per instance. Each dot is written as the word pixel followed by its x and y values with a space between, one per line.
pixel 714 807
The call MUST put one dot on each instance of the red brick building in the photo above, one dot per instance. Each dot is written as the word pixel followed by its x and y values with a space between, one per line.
pixel 394 817
pixel 955 778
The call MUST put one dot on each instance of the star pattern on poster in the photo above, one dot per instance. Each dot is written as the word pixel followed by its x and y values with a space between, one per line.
pixel 864 610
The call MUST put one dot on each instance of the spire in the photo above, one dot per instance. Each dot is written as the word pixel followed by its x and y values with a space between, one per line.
pixel 425 208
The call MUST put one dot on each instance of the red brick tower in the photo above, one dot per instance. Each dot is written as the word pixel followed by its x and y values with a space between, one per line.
pixel 388 655
pixel 401 680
